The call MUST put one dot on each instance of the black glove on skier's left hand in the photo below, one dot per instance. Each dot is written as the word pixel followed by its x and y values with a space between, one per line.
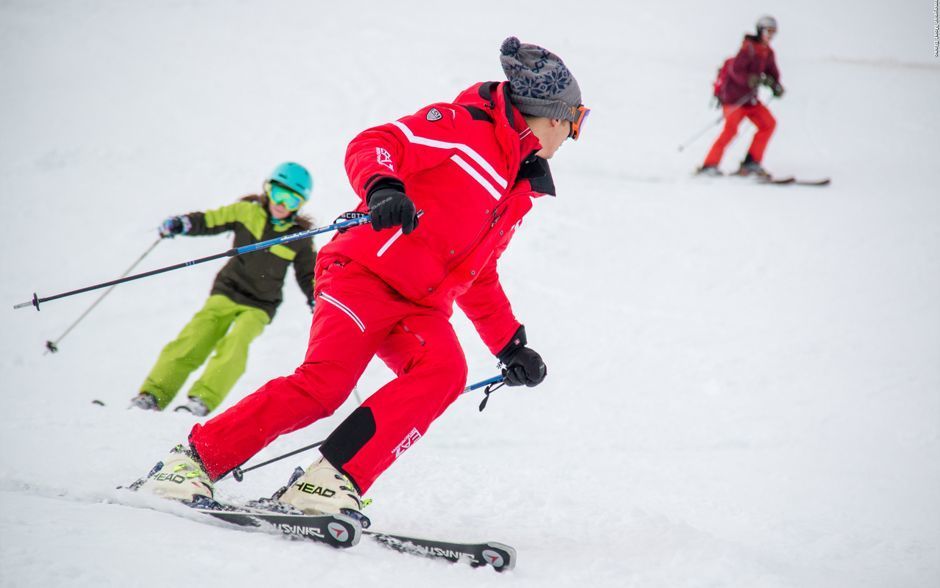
pixel 521 365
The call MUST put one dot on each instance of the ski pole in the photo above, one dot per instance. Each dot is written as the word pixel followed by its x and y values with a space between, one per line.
pixel 481 383
pixel 230 253
pixel 53 346
pixel 239 473
pixel 720 118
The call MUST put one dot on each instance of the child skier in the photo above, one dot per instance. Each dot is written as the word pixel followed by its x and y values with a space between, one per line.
pixel 737 87
pixel 446 189
pixel 245 294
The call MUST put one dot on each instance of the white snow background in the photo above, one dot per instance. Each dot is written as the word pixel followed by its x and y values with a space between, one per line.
pixel 744 381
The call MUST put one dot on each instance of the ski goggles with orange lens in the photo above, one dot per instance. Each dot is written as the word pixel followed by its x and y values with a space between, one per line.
pixel 582 112
pixel 285 197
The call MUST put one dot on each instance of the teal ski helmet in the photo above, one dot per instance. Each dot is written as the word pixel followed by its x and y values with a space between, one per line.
pixel 294 176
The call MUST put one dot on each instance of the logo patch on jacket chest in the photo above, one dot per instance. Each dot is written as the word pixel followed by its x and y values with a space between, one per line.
pixel 434 115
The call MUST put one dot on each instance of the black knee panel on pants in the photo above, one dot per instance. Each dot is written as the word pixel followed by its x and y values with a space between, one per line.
pixel 349 437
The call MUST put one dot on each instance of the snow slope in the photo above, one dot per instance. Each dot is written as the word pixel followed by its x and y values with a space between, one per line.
pixel 744 381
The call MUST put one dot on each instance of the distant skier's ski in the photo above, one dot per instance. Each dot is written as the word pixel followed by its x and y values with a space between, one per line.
pixel 782 181
pixel 775 181
pixel 819 182
pixel 498 555
pixel 793 181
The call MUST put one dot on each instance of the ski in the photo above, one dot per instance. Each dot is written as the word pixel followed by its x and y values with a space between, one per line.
pixel 782 181
pixel 341 530
pixel 334 530
pixel 794 181
pixel 773 180
pixel 337 530
pixel 819 182
pixel 499 556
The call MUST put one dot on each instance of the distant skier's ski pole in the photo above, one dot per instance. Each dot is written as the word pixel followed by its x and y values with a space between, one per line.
pixel 230 253
pixel 239 473
pixel 53 346
pixel 720 118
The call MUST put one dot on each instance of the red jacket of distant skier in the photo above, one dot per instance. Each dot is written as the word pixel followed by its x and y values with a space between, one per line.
pixel 470 167
pixel 754 58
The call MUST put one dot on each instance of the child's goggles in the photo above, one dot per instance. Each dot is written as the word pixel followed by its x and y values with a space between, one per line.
pixel 285 197
pixel 582 113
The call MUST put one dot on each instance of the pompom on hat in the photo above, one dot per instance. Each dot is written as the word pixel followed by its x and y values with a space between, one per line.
pixel 540 84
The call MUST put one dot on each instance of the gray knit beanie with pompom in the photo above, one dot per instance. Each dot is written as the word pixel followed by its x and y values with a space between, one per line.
pixel 540 84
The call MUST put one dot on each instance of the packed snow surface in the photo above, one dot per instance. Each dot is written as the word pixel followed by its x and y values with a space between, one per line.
pixel 744 380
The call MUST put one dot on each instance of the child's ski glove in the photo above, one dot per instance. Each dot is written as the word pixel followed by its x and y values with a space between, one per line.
pixel 175 225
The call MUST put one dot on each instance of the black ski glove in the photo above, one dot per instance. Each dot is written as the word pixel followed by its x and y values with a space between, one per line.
pixel 521 365
pixel 390 207
pixel 773 84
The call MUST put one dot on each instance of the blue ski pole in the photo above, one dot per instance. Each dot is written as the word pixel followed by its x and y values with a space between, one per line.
pixel 481 383
pixel 238 473
pixel 230 253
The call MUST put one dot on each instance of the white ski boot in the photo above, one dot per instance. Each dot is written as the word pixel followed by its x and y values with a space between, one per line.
pixel 179 477
pixel 144 401
pixel 323 489
pixel 750 167
pixel 711 171
pixel 195 406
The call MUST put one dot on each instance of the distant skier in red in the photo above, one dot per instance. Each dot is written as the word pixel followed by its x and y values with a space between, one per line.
pixel 446 189
pixel 736 90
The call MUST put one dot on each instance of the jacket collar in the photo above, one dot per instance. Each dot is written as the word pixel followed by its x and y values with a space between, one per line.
pixel 515 137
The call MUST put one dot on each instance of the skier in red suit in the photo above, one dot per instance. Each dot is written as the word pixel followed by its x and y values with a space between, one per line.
pixel 446 189
pixel 753 66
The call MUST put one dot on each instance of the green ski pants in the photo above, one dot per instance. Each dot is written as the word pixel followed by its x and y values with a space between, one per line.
pixel 221 326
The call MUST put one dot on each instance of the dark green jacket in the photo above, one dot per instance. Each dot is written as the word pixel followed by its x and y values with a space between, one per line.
pixel 256 279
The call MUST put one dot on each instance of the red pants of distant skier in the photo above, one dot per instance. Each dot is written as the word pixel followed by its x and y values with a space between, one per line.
pixel 757 114
pixel 357 316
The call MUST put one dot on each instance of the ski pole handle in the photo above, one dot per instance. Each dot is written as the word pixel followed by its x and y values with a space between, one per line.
pixel 353 222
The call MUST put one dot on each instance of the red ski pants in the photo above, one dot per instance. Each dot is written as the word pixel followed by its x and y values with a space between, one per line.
pixel 357 316
pixel 757 114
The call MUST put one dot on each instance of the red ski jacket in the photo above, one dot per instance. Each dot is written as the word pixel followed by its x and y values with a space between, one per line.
pixel 470 167
pixel 754 58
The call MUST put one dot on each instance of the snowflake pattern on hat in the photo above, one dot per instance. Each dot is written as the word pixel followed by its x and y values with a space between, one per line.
pixel 540 84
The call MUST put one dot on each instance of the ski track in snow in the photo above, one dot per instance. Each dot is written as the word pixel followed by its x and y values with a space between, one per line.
pixel 743 379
